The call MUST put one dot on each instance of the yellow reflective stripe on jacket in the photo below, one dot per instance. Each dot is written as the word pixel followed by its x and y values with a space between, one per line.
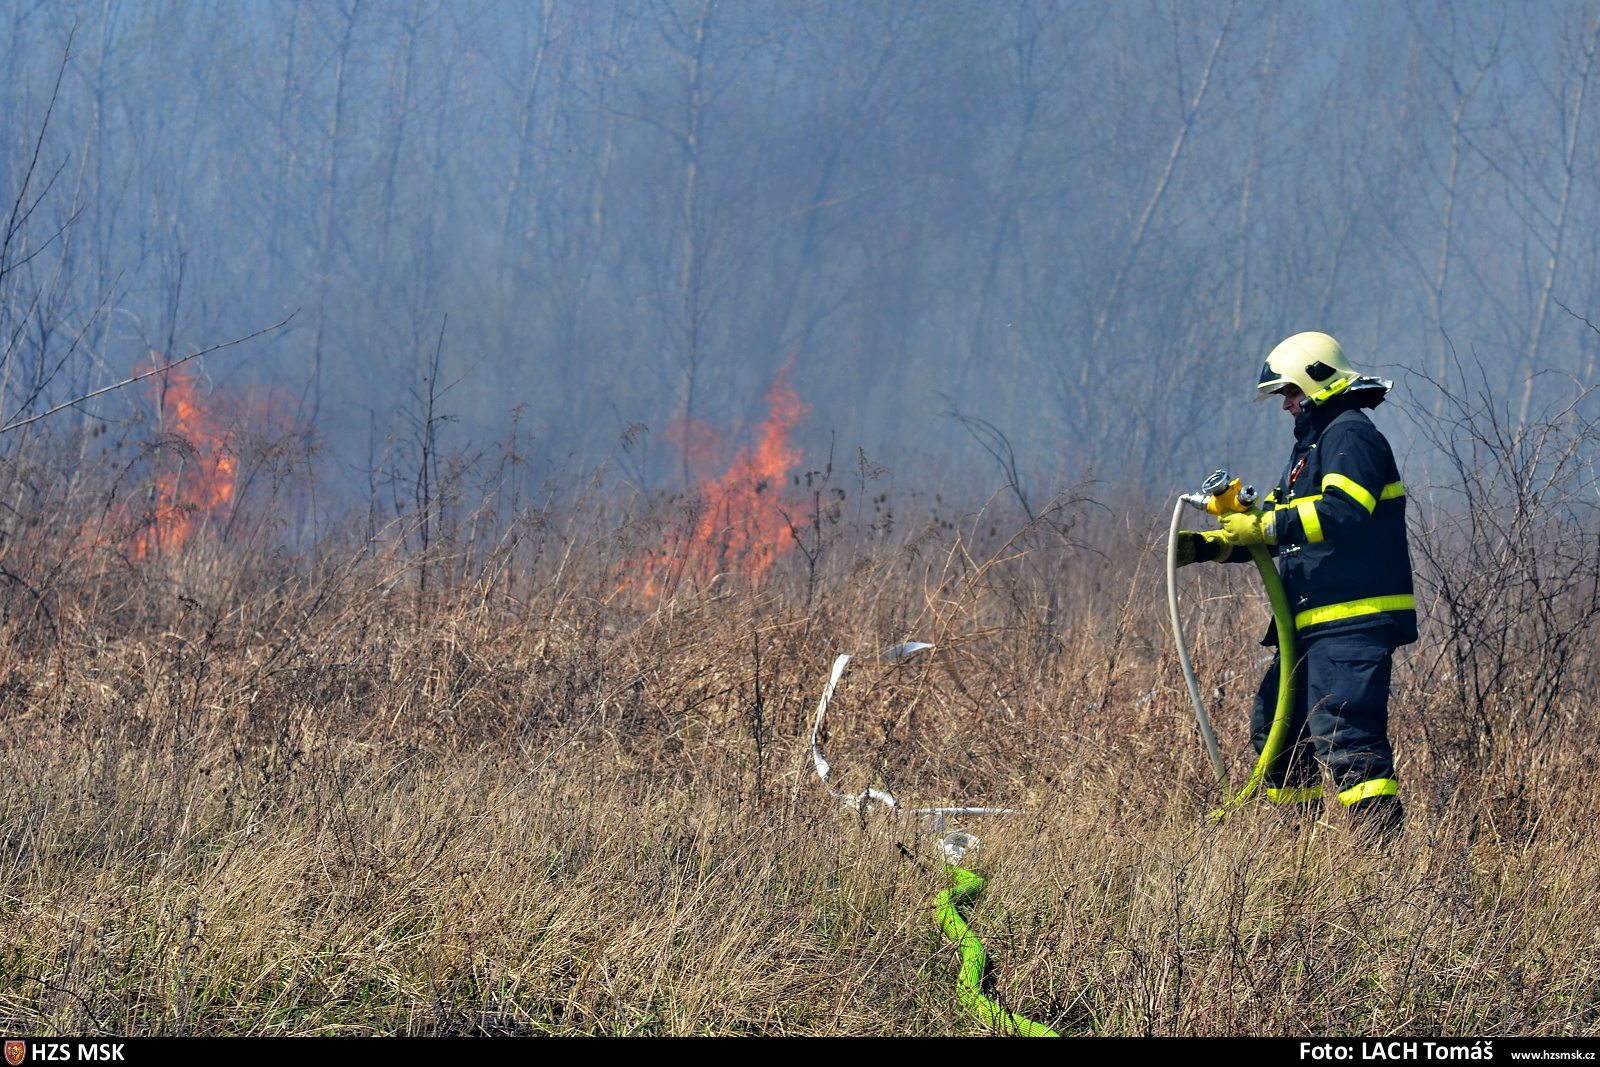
pixel 1350 609
pixel 1376 787
pixel 1392 491
pixel 1309 521
pixel 1298 794
pixel 1353 488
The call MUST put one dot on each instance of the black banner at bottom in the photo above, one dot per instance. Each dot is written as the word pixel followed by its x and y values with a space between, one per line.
pixel 309 1051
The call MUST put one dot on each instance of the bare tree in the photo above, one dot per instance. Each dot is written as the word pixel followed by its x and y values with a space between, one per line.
pixel 1573 92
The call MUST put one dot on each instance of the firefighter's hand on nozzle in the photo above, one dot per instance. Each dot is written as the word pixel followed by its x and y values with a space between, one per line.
pixel 1204 546
pixel 1244 528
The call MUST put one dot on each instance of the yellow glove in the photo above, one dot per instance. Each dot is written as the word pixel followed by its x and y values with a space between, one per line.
pixel 1244 528
pixel 1200 547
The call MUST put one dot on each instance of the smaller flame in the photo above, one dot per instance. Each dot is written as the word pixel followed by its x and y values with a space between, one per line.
pixel 739 524
pixel 199 489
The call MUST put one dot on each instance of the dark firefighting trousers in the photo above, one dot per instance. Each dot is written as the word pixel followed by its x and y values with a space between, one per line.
pixel 1340 719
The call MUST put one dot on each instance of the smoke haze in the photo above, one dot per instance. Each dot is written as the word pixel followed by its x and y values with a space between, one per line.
pixel 1081 223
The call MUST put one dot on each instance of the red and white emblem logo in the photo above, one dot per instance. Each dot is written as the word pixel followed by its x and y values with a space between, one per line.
pixel 16 1052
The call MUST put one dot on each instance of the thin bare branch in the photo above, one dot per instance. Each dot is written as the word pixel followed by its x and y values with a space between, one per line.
pixel 17 424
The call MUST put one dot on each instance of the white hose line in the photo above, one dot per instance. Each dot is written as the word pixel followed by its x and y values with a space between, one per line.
pixel 937 816
pixel 1206 733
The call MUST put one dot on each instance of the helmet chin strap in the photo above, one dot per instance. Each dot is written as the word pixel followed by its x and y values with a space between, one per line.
pixel 1344 385
pixel 1323 395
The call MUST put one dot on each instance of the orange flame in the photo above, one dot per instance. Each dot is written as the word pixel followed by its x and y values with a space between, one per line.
pixel 198 489
pixel 738 517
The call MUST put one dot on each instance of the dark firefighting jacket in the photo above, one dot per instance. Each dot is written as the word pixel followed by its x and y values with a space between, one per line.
pixel 1339 519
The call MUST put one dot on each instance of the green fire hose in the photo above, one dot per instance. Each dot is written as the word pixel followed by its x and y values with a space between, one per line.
pixel 965 887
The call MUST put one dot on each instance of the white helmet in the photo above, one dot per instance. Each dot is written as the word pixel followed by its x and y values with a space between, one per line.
pixel 1311 362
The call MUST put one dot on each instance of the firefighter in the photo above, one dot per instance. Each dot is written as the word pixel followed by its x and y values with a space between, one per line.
pixel 1337 524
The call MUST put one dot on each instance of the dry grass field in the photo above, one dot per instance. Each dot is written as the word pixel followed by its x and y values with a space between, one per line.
pixel 487 782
